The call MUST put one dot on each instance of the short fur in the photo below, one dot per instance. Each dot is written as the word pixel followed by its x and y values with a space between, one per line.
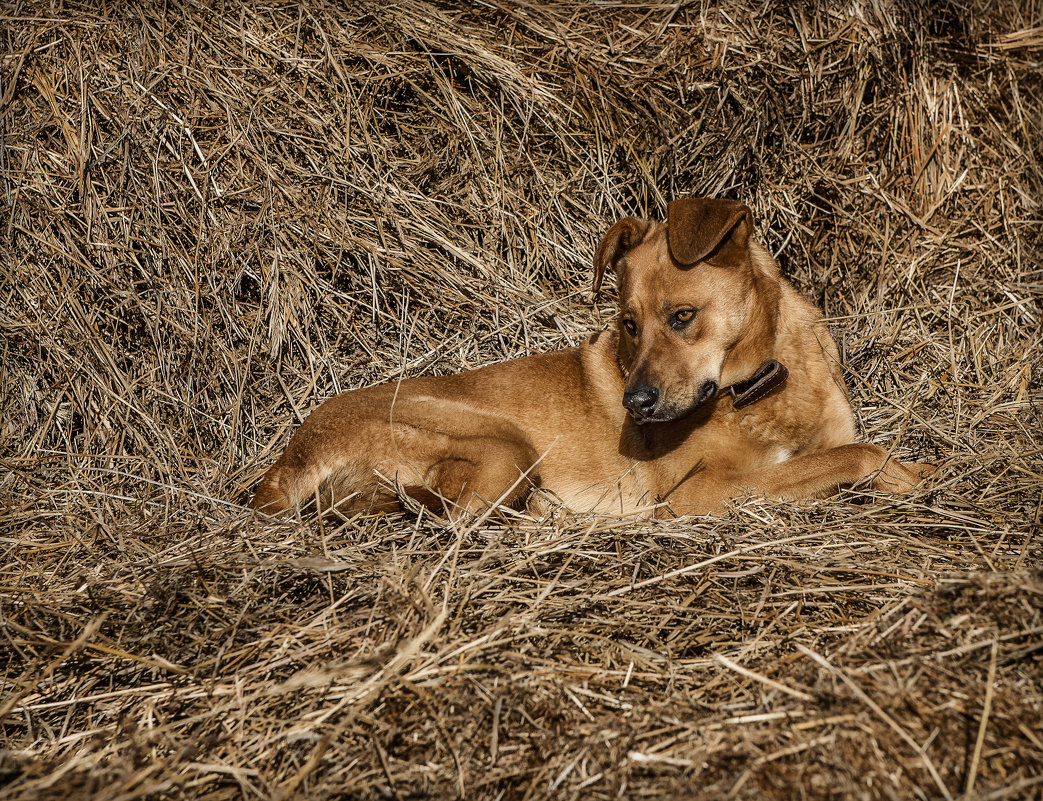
pixel 633 419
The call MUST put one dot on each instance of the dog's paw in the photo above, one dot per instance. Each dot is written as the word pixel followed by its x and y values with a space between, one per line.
pixel 922 469
pixel 899 478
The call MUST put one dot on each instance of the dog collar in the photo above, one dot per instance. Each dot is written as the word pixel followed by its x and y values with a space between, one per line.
pixel 769 376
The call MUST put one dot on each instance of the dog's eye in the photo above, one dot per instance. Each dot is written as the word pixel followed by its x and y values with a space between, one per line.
pixel 682 318
pixel 631 327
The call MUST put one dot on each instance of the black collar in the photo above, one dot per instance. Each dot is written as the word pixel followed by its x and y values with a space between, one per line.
pixel 769 376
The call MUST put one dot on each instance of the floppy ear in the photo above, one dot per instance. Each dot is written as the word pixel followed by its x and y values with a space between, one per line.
pixel 716 231
pixel 621 237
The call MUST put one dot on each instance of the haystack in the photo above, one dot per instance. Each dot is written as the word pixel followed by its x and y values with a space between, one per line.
pixel 216 216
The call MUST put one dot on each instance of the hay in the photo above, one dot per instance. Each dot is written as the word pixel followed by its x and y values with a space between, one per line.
pixel 215 219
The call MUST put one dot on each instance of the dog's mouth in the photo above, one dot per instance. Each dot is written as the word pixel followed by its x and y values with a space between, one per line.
pixel 665 413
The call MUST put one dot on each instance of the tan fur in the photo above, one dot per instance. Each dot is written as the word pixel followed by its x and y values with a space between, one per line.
pixel 555 421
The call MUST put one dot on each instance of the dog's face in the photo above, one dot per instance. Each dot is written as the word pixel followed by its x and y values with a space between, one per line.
pixel 685 298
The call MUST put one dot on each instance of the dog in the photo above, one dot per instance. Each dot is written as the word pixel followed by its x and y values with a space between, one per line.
pixel 718 379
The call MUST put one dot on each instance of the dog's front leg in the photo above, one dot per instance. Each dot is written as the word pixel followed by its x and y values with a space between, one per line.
pixel 817 475
pixel 813 475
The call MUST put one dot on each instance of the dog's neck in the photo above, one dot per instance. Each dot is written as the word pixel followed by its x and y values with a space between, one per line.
pixel 756 345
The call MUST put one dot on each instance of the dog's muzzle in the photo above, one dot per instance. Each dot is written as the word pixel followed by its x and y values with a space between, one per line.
pixel 646 406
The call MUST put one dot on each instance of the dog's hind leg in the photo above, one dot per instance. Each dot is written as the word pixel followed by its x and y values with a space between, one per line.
pixel 475 472
pixel 299 483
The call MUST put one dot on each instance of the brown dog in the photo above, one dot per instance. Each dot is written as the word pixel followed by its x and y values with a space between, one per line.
pixel 719 378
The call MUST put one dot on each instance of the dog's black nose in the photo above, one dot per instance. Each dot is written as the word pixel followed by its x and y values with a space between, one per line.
pixel 706 391
pixel 641 401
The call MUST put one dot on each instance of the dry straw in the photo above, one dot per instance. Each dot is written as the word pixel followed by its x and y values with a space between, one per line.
pixel 215 217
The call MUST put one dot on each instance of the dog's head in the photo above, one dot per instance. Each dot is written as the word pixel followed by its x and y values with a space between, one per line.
pixel 686 300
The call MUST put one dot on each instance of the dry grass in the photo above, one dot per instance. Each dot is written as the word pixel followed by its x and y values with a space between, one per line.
pixel 212 220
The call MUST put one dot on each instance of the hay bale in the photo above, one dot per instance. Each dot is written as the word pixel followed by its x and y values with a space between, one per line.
pixel 215 219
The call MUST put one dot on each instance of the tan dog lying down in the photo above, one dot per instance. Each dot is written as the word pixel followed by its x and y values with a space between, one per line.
pixel 719 379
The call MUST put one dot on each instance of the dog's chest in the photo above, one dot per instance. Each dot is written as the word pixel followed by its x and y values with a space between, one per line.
pixel 768 434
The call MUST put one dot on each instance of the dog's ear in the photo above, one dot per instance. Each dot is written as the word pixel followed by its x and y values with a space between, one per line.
pixel 621 237
pixel 716 231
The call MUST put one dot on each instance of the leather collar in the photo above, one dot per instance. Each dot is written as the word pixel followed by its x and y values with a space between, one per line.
pixel 769 376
